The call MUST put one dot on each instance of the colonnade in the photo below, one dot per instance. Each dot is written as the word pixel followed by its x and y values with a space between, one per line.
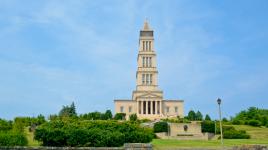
pixel 152 107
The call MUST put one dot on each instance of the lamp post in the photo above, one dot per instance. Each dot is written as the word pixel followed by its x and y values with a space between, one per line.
pixel 219 102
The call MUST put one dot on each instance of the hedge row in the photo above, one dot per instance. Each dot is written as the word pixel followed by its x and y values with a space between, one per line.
pixel 12 139
pixel 101 133
pixel 229 132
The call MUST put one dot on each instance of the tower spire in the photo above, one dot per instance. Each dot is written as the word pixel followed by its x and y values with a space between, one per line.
pixel 146 25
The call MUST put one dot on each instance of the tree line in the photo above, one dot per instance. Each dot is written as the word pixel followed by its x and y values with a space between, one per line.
pixel 67 128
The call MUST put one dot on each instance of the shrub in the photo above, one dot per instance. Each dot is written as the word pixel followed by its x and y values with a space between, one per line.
pixel 120 116
pixel 235 134
pixel 144 120
pixel 5 125
pixel 237 122
pixel 208 126
pixel 133 117
pixel 160 127
pixel 12 139
pixel 254 123
pixel 101 133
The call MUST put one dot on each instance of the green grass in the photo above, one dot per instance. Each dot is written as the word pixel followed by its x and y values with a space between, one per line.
pixel 30 138
pixel 258 136
pixel 255 132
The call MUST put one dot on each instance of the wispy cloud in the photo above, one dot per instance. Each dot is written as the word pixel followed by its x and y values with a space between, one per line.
pixel 52 53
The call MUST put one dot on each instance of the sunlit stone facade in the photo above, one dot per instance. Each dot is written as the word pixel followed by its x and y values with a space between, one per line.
pixel 147 100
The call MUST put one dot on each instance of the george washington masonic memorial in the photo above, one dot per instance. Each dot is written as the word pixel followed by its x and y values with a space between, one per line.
pixel 147 100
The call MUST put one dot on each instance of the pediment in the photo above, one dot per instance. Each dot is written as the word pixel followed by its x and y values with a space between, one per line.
pixel 149 95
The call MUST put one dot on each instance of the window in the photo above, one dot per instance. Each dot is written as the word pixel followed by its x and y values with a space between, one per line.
pixel 143 78
pixel 149 45
pixel 143 45
pixel 146 62
pixel 176 109
pixel 129 109
pixel 150 61
pixel 121 109
pixel 147 78
pixel 167 109
pixel 150 78
pixel 143 61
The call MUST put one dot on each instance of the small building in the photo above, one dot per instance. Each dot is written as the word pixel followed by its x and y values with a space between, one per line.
pixel 147 100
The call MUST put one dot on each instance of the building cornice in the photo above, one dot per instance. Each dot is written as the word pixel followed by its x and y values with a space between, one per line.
pixel 173 100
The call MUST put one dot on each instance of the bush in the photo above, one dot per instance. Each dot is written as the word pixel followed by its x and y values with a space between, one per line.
pixel 101 133
pixel 12 139
pixel 120 116
pixel 254 123
pixel 133 117
pixel 160 127
pixel 237 122
pixel 235 134
pixel 5 125
pixel 208 126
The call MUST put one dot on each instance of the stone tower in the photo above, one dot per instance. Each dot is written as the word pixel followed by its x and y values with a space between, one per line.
pixel 147 100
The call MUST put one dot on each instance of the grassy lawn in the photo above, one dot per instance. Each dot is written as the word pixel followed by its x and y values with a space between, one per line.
pixel 258 136
pixel 30 138
pixel 255 132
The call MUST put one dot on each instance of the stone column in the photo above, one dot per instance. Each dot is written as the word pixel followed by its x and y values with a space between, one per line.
pixel 154 107
pixel 138 107
pixel 161 112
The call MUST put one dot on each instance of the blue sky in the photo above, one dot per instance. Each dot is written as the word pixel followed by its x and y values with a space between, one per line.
pixel 54 52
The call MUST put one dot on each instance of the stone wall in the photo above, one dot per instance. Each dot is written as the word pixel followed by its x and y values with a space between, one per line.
pixel 127 146
pixel 134 146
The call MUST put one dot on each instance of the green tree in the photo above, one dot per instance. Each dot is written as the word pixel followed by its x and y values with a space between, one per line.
pixel 108 115
pixel 224 119
pixel 199 116
pixel 207 117
pixel 252 116
pixel 68 111
pixel 191 115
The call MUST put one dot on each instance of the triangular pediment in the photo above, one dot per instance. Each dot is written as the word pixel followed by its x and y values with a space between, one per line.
pixel 149 95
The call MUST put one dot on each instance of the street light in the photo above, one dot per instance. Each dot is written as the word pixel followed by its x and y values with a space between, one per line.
pixel 219 102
